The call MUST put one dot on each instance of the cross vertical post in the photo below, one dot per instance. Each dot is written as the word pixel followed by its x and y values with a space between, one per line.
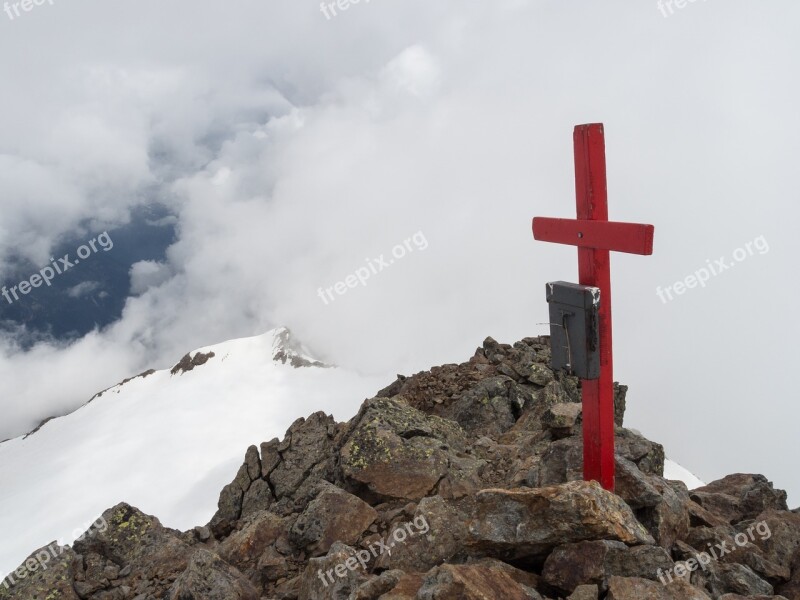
pixel 594 269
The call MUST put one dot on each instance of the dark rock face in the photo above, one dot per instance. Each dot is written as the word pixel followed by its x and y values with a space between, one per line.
pixel 739 497
pixel 458 483
pixel 572 565
pixel 189 362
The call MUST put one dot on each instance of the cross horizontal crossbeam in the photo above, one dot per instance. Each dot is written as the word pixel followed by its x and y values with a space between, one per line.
pixel 633 238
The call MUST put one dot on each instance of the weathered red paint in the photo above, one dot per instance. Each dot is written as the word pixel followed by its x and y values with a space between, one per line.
pixel 595 236
pixel 602 235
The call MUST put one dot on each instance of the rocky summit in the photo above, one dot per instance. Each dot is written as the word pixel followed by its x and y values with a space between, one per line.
pixel 458 483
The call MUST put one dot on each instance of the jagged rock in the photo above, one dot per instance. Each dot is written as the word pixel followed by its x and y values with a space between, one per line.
pixel 748 555
pixel 251 548
pixel 777 533
pixel 396 451
pixel 378 585
pixel 634 486
pixel 740 597
pixel 210 578
pixel 620 395
pixel 668 520
pixel 536 404
pixel 188 363
pixel 473 582
pixel 444 538
pixel 769 544
pixel 647 455
pixel 531 522
pixel 137 544
pixel 721 578
pixel 538 374
pixel 585 592
pixel 248 493
pixel 562 418
pixel 486 409
pixel 595 562
pixel 406 588
pixel 334 576
pixel 562 461
pixel 46 573
pixel 632 588
pixel 792 589
pixel 258 497
pixel 229 507
pixel 306 455
pixel 700 517
pixel 334 515
pixel 740 496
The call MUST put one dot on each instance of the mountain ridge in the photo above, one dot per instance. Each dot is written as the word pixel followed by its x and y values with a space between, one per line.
pixel 479 463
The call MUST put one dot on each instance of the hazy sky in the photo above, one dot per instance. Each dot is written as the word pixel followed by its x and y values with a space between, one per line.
pixel 295 149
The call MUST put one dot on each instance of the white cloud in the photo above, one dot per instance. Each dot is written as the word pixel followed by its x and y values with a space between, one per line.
pixel 83 289
pixel 290 148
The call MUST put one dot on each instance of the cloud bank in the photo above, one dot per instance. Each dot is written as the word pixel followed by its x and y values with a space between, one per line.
pixel 290 148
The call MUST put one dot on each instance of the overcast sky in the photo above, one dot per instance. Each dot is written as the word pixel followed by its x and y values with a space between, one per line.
pixel 294 149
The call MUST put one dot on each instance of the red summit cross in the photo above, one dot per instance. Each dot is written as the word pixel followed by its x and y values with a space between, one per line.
pixel 595 236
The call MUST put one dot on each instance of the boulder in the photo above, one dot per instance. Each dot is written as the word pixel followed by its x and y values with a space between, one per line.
pixel 487 408
pixel 562 419
pixel 441 536
pixel 336 575
pixel 473 582
pixel 633 588
pixel 333 515
pixel 720 578
pixel 394 451
pixel 595 562
pixel 207 576
pixel 668 520
pixel 306 456
pixel 531 522
pixel 52 568
pixel 585 592
pixel 740 496
pixel 406 588
pixel 251 549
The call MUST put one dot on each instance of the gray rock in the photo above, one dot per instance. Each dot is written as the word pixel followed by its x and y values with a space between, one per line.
pixel 523 523
pixel 334 515
pixel 740 496
pixel 420 552
pixel 207 576
pixel 595 562
pixel 585 592
pixel 336 575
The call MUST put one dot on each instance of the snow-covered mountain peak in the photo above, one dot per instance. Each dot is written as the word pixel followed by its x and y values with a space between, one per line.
pixel 288 349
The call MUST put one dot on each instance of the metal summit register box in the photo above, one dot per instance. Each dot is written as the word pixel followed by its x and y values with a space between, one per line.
pixel 574 328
